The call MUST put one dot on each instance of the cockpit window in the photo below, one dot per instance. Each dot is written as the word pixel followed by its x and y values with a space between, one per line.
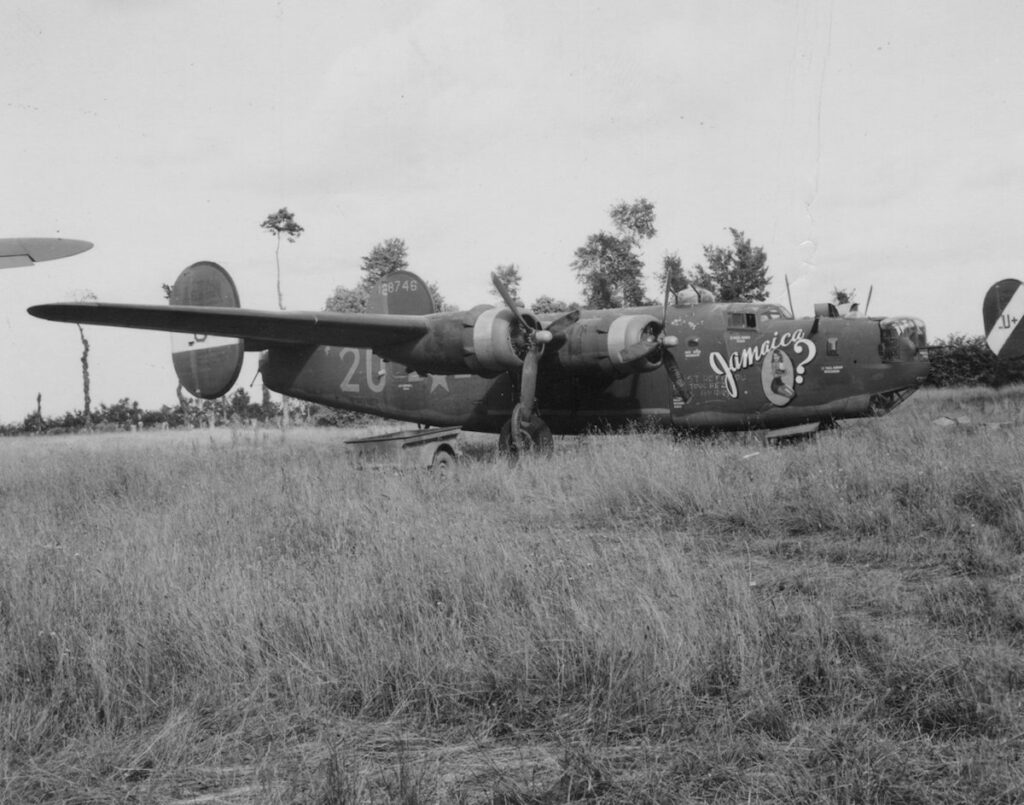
pixel 749 319
pixel 746 321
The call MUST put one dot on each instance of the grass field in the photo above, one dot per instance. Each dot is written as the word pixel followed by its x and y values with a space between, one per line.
pixel 245 617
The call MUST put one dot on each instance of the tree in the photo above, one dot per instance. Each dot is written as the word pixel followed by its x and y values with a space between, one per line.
pixel 610 267
pixel 547 304
pixel 35 422
pixel 387 256
pixel 609 271
pixel 843 296
pixel 512 279
pixel 347 300
pixel 739 273
pixel 635 221
pixel 85 296
pixel 280 223
pixel 671 270
pixel 439 304
pixel 268 409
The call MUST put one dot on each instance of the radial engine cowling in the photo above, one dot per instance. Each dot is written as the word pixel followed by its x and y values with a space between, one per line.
pixel 485 340
pixel 617 345
pixel 490 340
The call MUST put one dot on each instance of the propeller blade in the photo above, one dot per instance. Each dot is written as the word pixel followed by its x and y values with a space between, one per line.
pixel 559 328
pixel 664 309
pixel 528 384
pixel 678 381
pixel 639 350
pixel 509 301
pixel 563 323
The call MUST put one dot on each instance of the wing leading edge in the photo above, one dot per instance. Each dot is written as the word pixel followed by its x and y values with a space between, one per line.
pixel 259 328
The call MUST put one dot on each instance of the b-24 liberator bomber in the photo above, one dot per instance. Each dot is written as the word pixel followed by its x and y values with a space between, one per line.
pixel 691 365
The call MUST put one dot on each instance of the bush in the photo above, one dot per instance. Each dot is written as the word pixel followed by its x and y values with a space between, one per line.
pixel 962 360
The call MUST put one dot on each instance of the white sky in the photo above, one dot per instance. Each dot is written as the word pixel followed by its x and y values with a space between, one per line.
pixel 861 144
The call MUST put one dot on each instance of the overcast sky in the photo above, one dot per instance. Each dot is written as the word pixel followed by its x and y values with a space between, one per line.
pixel 861 144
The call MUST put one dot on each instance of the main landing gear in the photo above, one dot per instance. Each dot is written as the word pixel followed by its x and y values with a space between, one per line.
pixel 526 432
pixel 523 435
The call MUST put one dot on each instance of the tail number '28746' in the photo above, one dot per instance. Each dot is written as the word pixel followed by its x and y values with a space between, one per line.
pixel 395 286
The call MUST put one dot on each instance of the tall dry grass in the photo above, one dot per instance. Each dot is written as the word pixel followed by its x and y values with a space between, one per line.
pixel 838 619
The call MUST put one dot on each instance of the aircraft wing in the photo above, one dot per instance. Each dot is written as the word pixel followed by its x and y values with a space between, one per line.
pixel 15 252
pixel 259 328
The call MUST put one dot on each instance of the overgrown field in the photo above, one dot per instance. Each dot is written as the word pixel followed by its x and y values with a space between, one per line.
pixel 246 617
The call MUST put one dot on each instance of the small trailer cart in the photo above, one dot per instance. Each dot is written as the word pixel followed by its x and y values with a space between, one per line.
pixel 435 448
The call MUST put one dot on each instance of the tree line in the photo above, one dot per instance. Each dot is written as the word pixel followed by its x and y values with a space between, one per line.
pixel 235 409
pixel 609 268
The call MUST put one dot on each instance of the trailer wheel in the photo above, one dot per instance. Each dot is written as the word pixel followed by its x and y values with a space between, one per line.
pixel 443 462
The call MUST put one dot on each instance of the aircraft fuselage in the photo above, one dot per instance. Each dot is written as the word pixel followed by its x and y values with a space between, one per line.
pixel 746 365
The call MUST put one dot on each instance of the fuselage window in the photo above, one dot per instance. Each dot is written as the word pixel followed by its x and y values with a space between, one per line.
pixel 745 321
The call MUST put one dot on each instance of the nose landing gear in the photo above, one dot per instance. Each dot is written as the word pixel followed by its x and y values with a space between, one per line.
pixel 883 402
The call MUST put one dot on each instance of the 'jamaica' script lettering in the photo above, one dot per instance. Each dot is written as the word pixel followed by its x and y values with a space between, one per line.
pixel 749 356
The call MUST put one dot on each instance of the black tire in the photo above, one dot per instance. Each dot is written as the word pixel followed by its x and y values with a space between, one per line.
pixel 443 462
pixel 534 438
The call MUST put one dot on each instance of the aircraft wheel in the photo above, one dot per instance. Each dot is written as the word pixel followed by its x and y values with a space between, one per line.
pixel 443 463
pixel 532 436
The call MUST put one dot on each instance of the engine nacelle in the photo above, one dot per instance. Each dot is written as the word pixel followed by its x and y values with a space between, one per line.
pixel 490 340
pixel 498 342
pixel 597 345
pixel 207 366
pixel 485 341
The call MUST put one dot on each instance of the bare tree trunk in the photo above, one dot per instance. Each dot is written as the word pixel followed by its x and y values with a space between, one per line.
pixel 277 261
pixel 183 404
pixel 85 378
pixel 280 304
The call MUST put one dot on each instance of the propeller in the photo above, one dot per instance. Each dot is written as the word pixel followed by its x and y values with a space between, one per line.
pixel 678 381
pixel 656 340
pixel 668 360
pixel 537 338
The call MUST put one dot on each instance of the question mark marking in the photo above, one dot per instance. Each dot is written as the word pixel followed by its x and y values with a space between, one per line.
pixel 798 347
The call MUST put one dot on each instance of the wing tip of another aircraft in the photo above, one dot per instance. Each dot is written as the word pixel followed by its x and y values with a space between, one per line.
pixel 16 252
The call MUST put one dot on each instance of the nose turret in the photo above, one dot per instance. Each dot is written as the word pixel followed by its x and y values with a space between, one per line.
pixel 903 339
pixel 903 348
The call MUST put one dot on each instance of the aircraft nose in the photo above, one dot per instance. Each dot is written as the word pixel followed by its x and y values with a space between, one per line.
pixel 904 338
